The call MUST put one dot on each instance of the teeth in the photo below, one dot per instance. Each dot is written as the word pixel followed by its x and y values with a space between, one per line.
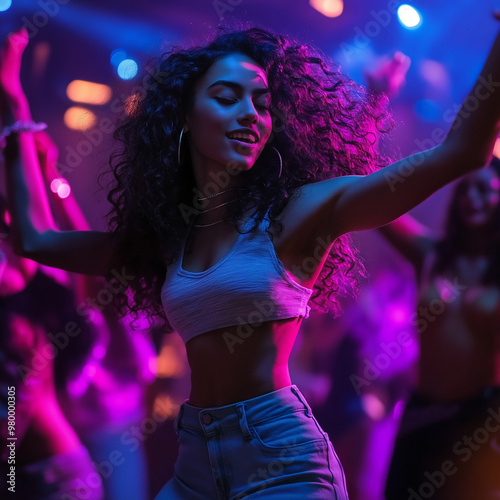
pixel 243 137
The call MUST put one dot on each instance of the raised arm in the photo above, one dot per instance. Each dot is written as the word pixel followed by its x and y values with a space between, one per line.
pixel 34 232
pixel 410 238
pixel 353 203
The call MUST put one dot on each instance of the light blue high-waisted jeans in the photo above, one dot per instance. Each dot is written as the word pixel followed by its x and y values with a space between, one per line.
pixel 268 447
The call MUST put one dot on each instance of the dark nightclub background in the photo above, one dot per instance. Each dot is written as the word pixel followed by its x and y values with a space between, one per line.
pixel 88 39
pixel 74 40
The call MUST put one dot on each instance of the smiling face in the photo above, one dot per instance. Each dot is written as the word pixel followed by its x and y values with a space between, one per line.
pixel 230 121
pixel 478 197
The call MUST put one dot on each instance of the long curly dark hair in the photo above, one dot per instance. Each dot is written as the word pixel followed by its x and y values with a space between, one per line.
pixel 455 235
pixel 324 125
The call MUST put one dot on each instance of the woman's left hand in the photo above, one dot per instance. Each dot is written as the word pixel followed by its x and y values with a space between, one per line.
pixel 11 54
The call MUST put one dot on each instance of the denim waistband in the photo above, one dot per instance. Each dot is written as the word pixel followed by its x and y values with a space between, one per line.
pixel 239 415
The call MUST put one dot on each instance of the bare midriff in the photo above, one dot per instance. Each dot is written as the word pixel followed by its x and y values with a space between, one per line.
pixel 227 367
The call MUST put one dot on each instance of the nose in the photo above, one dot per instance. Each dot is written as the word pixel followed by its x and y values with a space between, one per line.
pixel 248 112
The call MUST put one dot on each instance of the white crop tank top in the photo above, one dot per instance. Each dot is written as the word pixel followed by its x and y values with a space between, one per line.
pixel 249 285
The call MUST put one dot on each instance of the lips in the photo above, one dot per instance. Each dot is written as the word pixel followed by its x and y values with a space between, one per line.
pixel 243 135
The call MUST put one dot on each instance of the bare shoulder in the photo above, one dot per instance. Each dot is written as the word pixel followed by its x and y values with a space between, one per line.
pixel 308 227
pixel 312 204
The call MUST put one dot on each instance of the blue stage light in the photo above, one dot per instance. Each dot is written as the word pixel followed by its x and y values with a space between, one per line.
pixel 5 5
pixel 127 69
pixel 117 56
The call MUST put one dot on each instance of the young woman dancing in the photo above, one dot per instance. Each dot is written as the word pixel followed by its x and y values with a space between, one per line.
pixel 244 164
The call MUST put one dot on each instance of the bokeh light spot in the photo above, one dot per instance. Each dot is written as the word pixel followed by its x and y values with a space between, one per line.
pixel 77 118
pixel 60 187
pixel 88 92
pixel 63 191
pixel 54 185
pixel 127 69
pixel 5 5
pixel 117 56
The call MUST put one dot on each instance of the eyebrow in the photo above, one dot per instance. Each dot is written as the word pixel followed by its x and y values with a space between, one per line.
pixel 238 86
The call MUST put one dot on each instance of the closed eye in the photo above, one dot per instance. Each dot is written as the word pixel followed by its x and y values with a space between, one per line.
pixel 225 100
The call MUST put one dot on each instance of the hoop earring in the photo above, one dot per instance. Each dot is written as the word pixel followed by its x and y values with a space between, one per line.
pixel 281 161
pixel 179 147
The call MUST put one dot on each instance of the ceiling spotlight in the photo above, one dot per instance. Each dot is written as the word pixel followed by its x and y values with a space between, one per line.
pixel 329 8
pixel 409 17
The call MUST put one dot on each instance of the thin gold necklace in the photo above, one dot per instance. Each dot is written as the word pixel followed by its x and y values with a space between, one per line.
pixel 211 224
pixel 216 194
pixel 214 208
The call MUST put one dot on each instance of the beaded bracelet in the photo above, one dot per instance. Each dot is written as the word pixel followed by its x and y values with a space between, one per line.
pixel 20 126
